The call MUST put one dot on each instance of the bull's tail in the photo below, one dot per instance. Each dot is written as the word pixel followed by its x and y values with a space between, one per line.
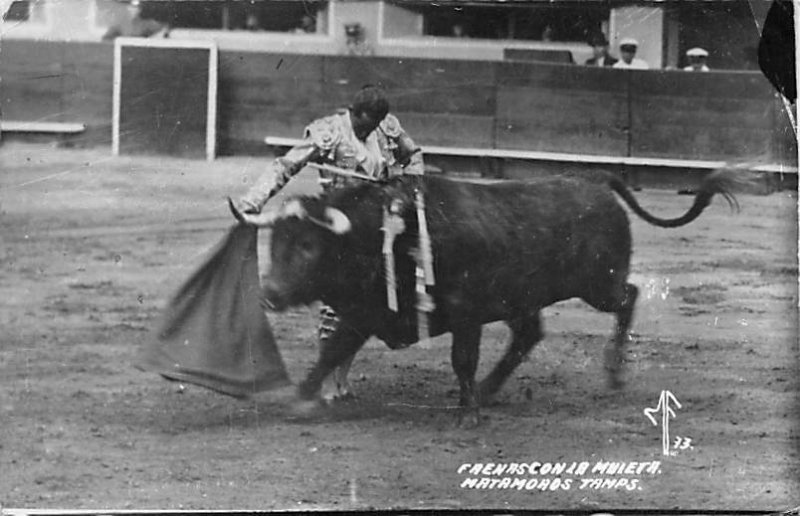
pixel 721 181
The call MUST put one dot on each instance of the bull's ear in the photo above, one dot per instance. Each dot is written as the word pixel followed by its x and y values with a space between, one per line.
pixel 338 221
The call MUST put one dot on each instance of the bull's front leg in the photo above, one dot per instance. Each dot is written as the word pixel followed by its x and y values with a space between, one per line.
pixel 337 386
pixel 464 354
pixel 341 346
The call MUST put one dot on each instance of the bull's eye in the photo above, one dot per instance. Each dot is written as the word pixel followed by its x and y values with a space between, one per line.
pixel 306 247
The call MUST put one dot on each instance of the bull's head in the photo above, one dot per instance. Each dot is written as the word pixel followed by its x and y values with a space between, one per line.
pixel 301 249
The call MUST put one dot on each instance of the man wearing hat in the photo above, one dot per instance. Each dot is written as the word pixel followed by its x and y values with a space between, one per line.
pixel 132 24
pixel 601 57
pixel 627 51
pixel 697 60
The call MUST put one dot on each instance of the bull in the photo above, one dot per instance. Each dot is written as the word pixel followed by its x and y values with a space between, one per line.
pixel 502 251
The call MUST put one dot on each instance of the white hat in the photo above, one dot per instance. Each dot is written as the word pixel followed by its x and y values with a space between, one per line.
pixel 628 42
pixel 696 52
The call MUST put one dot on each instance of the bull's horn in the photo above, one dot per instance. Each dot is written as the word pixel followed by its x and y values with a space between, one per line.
pixel 263 220
pixel 236 213
pixel 339 223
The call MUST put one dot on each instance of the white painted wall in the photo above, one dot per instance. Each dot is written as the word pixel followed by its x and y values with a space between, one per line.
pixel 62 20
pixel 399 22
pixel 365 12
pixel 645 24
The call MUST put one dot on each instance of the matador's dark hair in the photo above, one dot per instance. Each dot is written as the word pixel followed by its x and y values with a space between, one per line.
pixel 371 99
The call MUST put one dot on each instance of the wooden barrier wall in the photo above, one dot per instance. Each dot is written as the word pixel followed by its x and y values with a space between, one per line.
pixel 58 82
pixel 439 102
pixel 261 94
pixel 164 101
pixel 562 108
pixel 692 115
pixel 506 105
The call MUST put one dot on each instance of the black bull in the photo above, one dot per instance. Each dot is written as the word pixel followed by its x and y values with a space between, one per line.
pixel 502 251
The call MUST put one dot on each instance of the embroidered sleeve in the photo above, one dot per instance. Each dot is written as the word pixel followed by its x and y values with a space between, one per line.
pixel 325 133
pixel 320 140
pixel 407 153
pixel 390 126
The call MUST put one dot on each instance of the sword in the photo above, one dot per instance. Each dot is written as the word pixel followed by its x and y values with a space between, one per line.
pixel 340 171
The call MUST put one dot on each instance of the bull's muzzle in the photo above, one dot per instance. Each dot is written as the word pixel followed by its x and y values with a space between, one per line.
pixel 273 297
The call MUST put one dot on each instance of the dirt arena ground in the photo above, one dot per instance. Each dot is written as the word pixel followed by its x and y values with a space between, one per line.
pixel 92 246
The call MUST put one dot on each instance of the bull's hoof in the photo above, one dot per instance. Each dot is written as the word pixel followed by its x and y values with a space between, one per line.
pixel 347 395
pixel 615 382
pixel 469 419
pixel 339 396
pixel 614 367
pixel 486 394
pixel 304 408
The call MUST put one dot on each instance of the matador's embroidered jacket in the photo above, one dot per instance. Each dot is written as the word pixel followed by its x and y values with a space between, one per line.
pixel 388 151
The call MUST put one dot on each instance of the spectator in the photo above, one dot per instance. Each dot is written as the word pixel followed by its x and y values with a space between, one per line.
pixel 629 61
pixel 307 25
pixel 251 22
pixel 133 25
pixel 697 60
pixel 356 40
pixel 458 31
pixel 547 33
pixel 600 57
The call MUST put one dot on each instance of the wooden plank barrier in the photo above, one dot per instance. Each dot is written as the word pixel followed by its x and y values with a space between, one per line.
pixel 12 126
pixel 32 81
pixel 267 94
pixel 538 55
pixel 56 88
pixel 165 97
pixel 440 102
pixel 88 81
pixel 562 108
pixel 713 115
pixel 502 110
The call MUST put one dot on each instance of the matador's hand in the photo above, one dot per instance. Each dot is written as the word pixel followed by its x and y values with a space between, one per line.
pixel 253 217
pixel 243 205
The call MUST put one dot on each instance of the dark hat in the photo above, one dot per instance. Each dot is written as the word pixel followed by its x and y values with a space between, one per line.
pixel 353 29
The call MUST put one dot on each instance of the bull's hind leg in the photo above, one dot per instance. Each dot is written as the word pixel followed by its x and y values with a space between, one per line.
pixel 620 301
pixel 464 354
pixel 525 333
